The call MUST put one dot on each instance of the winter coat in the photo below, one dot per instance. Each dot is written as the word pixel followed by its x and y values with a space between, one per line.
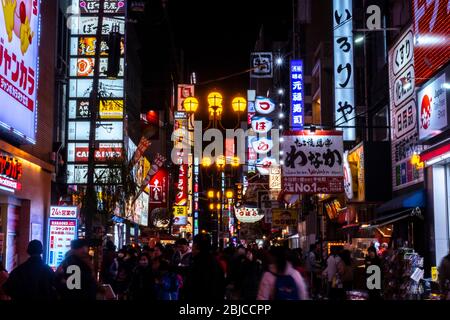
pixel 444 276
pixel 32 280
pixel 142 286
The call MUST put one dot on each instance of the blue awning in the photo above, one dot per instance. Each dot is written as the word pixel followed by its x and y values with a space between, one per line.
pixel 409 200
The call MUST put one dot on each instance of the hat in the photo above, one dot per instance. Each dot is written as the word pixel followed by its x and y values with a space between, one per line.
pixel 35 248
pixel 78 244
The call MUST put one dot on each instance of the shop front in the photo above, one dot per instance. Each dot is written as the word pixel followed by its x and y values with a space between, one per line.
pixel 25 189
pixel 433 100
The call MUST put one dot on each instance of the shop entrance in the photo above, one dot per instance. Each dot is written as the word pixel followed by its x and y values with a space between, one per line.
pixel 9 227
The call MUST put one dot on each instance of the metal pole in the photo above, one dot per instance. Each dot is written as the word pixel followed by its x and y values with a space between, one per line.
pixel 91 197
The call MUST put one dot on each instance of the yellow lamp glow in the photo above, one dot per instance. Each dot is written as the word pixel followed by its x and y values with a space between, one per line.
pixel 215 99
pixel 415 159
pixel 220 162
pixel 239 104
pixel 235 162
pixel 211 206
pixel 229 194
pixel 190 104
pixel 206 162
pixel 218 206
pixel 211 194
pixel 218 194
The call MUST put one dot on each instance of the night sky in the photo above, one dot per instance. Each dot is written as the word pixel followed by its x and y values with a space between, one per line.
pixel 216 37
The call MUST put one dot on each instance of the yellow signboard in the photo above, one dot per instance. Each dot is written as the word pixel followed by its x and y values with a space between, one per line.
pixel 284 218
pixel 434 274
pixel 111 109
pixel 180 215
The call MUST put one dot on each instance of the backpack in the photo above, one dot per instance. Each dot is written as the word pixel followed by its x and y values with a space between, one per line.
pixel 285 288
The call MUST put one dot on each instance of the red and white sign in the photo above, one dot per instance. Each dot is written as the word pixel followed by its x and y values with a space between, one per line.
pixel 431 31
pixel 158 186
pixel 60 233
pixel 261 124
pixel 264 105
pixel 11 171
pixel 181 186
pixel 433 117
pixel 248 215
pixel 9 184
pixel 313 162
pixel 264 165
pixel 19 51
pixel 63 212
pixel 79 152
pixel 262 145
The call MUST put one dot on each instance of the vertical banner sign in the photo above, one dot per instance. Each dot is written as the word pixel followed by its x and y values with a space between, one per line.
pixel 344 100
pixel 261 64
pixel 403 108
pixel 313 162
pixel 19 50
pixel 158 188
pixel 431 36
pixel 62 229
pixel 196 194
pixel 142 147
pixel 297 95
pixel 181 186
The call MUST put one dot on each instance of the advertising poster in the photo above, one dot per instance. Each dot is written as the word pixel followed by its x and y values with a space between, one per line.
pixel 180 215
pixel 313 162
pixel 19 49
pixel 282 218
pixel 60 233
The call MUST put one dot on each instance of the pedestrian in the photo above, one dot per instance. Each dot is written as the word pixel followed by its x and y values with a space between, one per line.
pixel 235 276
pixel 372 259
pixel 142 286
pixel 313 268
pixel 281 281
pixel 205 280
pixel 167 282
pixel 126 264
pixel 3 278
pixel 444 277
pixel 33 279
pixel 77 256
pixel 332 275
pixel 158 250
pixel 108 267
pixel 345 271
pixel 182 257
pixel 251 276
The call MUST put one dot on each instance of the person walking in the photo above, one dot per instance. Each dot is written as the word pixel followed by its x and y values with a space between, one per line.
pixel 281 281
pixel 444 277
pixel 3 277
pixel 205 280
pixel 332 275
pixel 77 256
pixel 33 280
pixel 108 267
pixel 142 286
pixel 251 276
pixel 313 268
pixel 167 282
pixel 345 272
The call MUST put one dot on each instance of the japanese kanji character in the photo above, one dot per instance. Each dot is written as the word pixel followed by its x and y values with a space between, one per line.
pixel 319 143
pixel 297 107
pixel 328 142
pixel 296 85
pixel 297 96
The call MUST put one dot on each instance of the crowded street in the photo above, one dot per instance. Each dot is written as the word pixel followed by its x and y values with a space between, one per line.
pixel 225 152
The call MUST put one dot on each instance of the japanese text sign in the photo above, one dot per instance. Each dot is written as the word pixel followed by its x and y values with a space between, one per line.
pixel 297 94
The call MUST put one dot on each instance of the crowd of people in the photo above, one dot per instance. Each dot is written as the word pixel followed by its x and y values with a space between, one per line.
pixel 179 272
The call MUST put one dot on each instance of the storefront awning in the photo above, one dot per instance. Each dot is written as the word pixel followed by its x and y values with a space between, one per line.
pixel 393 218
pixel 410 200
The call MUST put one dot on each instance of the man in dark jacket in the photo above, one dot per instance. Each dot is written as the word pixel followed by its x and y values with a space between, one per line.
pixel 33 279
pixel 205 280
pixel 77 256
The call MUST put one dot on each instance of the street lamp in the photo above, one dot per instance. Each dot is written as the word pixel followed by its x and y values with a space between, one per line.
pixel 229 194
pixel 190 104
pixel 206 162
pixel 210 194
pixel 239 104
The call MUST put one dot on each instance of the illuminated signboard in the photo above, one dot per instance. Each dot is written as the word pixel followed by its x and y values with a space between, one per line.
pixel 77 174
pixel 403 110
pixel 262 145
pixel 60 233
pixel 11 171
pixel 264 105
pixel 431 22
pixel 261 64
pixel 184 91
pixel 92 6
pixel 297 94
pixel 247 214
pixel 63 212
pixel 313 162
pixel 81 88
pixel 433 106
pixel 261 124
pixel 264 165
pixel 344 100
pixel 88 25
pixel 84 67
pixel 180 215
pixel 19 50
pixel 79 152
pixel 284 218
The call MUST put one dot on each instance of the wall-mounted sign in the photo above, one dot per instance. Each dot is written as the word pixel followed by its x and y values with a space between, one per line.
pixel 344 100
pixel 11 171
pixel 403 112
pixel 264 105
pixel 431 37
pixel 348 180
pixel 111 109
pixel 261 64
pixel 81 88
pixel 247 214
pixel 181 186
pixel 262 145
pixel 180 215
pixel 433 107
pixel 284 218
pixel 158 187
pixel 93 6
pixel 63 212
pixel 79 152
pixel 263 165
pixel 87 25
pixel 358 175
pixel 297 94
pixel 19 51
pixel 261 124
pixel 313 162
